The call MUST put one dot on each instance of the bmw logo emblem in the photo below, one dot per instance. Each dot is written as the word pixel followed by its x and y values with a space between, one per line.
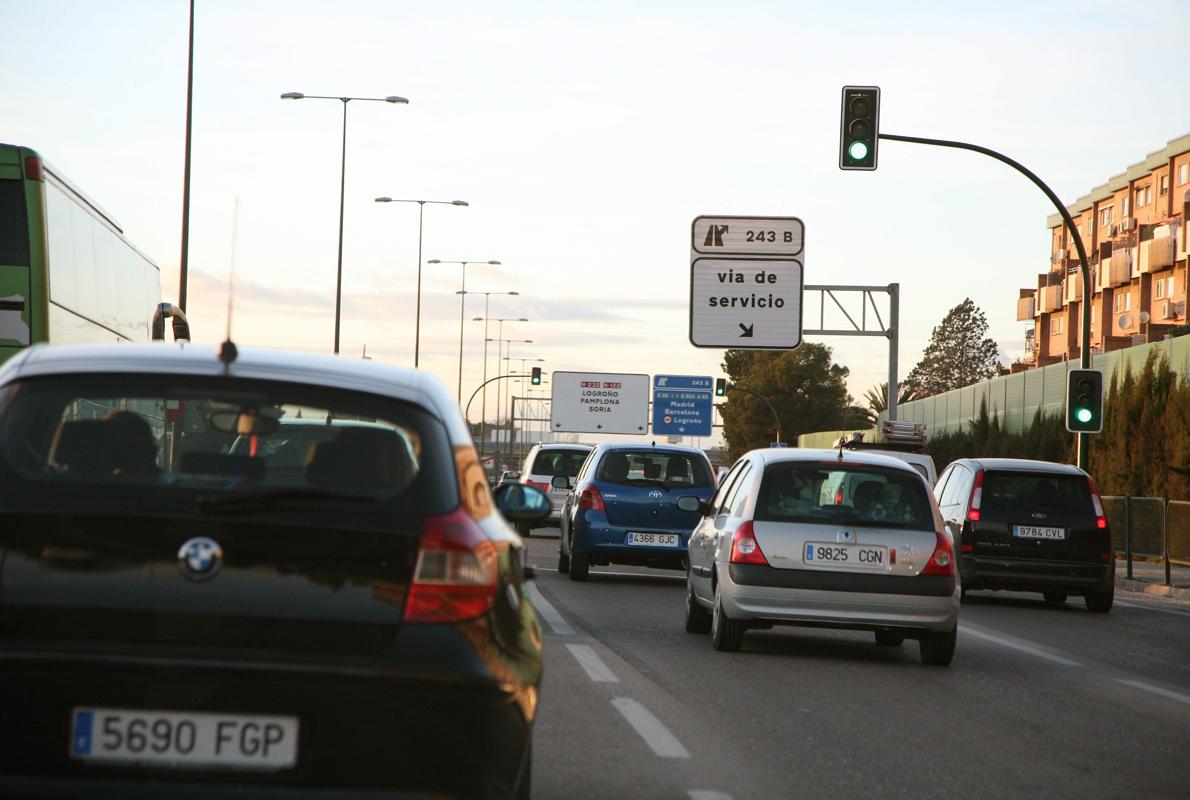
pixel 199 559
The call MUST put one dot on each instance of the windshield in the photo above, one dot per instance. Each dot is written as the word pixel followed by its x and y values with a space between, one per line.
pixel 869 496
pixel 671 469
pixel 1009 492
pixel 558 462
pixel 221 439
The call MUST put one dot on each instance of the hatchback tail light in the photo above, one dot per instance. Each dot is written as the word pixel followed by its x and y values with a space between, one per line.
pixel 942 561
pixel 33 169
pixel 456 577
pixel 545 487
pixel 976 498
pixel 591 498
pixel 1100 519
pixel 744 547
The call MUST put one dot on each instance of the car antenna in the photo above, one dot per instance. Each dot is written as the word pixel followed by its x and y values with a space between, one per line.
pixel 228 351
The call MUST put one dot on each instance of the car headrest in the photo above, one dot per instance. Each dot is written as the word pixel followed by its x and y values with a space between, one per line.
pixel 362 460
pixel 120 444
pixel 867 493
pixel 616 468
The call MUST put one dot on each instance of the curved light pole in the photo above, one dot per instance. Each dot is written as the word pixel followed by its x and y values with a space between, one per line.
pixel 342 183
pixel 487 297
pixel 421 207
pixel 462 307
pixel 524 370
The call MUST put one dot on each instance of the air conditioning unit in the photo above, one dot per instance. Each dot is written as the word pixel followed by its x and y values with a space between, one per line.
pixel 1113 230
pixel 1168 310
pixel 1128 223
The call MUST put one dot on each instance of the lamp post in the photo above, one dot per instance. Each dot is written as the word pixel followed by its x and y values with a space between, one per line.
pixel 524 371
pixel 500 355
pixel 421 207
pixel 487 296
pixel 462 307
pixel 342 183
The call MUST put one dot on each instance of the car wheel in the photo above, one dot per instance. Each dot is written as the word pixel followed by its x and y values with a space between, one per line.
pixel 1100 602
pixel 889 638
pixel 524 789
pixel 580 564
pixel 727 634
pixel 698 619
pixel 523 529
pixel 937 647
pixel 963 594
pixel 563 562
pixel 1055 598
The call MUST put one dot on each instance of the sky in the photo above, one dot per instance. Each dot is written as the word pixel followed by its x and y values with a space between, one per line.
pixel 585 138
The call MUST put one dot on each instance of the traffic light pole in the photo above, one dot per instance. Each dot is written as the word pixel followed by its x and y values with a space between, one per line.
pixel 731 387
pixel 1082 443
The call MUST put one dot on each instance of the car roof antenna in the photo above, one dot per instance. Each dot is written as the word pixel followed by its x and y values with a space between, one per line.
pixel 228 351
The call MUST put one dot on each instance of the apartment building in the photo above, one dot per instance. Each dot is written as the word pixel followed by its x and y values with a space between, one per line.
pixel 1134 231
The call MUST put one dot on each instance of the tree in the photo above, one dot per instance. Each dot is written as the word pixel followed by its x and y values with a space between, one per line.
pixel 877 399
pixel 959 354
pixel 807 390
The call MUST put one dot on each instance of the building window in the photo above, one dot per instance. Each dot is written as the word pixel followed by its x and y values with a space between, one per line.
pixel 1164 185
pixel 1123 302
pixel 1160 288
pixel 1140 198
pixel 1183 173
pixel 1057 325
pixel 1125 206
pixel 1148 195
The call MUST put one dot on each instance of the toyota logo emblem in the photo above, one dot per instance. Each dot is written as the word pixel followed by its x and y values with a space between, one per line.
pixel 199 559
pixel 655 494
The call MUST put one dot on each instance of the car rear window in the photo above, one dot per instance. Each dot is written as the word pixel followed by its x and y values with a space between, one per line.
pixel 1008 492
pixel 224 437
pixel 639 467
pixel 843 494
pixel 558 462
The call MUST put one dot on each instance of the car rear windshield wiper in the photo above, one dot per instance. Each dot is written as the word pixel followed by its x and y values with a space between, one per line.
pixel 264 501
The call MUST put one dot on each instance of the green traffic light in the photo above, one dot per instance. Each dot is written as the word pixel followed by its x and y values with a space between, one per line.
pixel 858 151
pixel 1083 415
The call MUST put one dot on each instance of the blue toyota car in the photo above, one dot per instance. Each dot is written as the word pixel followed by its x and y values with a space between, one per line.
pixel 622 508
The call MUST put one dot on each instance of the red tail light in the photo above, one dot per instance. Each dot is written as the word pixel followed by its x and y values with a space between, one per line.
pixel 839 496
pixel 545 487
pixel 1100 519
pixel 976 498
pixel 744 547
pixel 33 169
pixel 455 578
pixel 592 499
pixel 942 562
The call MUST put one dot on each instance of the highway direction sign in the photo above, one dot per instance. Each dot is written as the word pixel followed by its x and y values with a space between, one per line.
pixel 746 282
pixel 682 405
pixel 600 402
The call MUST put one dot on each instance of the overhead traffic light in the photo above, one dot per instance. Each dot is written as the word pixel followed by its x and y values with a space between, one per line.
pixel 859 127
pixel 1084 401
pixel 535 379
pixel 720 387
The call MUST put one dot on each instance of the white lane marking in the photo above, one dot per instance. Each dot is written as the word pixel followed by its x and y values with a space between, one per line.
pixel 707 794
pixel 1181 698
pixel 1024 648
pixel 663 743
pixel 1153 608
pixel 589 660
pixel 550 614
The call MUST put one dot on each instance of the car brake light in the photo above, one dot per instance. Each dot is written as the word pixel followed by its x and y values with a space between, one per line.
pixel 455 578
pixel 1100 519
pixel 942 562
pixel 839 496
pixel 976 498
pixel 744 547
pixel 545 487
pixel 33 169
pixel 592 499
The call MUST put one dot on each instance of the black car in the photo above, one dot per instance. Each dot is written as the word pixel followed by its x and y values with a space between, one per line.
pixel 1031 526
pixel 188 608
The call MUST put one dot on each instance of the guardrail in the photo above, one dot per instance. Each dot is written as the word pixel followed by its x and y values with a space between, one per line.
pixel 1152 528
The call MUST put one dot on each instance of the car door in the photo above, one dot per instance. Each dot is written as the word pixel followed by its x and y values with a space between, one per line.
pixel 701 545
pixel 953 501
pixel 723 524
pixel 735 511
pixel 568 505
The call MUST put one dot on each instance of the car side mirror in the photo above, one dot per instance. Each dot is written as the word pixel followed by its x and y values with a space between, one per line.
pixel 519 502
pixel 560 482
pixel 691 503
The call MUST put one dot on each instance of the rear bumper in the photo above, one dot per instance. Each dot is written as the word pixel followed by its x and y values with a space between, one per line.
pixel 1035 575
pixel 847 600
pixel 361 731
pixel 605 544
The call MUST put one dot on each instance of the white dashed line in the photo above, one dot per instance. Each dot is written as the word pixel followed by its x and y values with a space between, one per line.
pixel 707 794
pixel 589 660
pixel 1153 608
pixel 1181 698
pixel 1024 648
pixel 663 743
pixel 550 614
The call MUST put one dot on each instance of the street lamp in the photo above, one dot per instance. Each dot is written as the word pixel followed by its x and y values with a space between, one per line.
pixel 500 354
pixel 487 297
pixel 421 207
pixel 524 369
pixel 462 307
pixel 342 183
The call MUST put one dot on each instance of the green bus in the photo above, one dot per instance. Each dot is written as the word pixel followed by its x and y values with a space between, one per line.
pixel 67 274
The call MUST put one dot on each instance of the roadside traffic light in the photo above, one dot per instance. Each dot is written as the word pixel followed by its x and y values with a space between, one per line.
pixel 720 387
pixel 1084 401
pixel 859 127
pixel 536 378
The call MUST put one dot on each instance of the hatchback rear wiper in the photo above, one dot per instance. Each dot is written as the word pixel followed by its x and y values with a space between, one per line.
pixel 263 501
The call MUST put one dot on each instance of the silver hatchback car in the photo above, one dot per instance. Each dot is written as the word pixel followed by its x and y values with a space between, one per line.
pixel 826 539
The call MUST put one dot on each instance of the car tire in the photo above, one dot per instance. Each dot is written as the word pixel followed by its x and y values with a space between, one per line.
pixel 962 594
pixel 1055 598
pixel 563 562
pixel 937 647
pixel 524 530
pixel 889 638
pixel 580 566
pixel 524 789
pixel 1101 602
pixel 727 634
pixel 698 619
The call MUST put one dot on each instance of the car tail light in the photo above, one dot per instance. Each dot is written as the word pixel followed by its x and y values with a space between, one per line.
pixel 455 578
pixel 839 496
pixel 744 547
pixel 976 498
pixel 33 169
pixel 942 562
pixel 592 499
pixel 966 548
pixel 1100 519
pixel 545 487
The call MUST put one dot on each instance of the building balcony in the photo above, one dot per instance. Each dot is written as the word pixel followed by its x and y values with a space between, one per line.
pixel 1156 254
pixel 1051 298
pixel 1074 286
pixel 1122 264
pixel 1026 305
